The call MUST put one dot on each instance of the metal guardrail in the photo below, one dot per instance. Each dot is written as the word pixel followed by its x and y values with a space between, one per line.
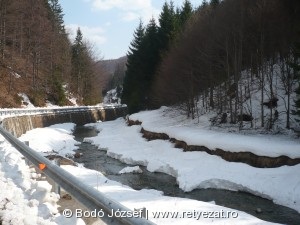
pixel 87 195
pixel 66 109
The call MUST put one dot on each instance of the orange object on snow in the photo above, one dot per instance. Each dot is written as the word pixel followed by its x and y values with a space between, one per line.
pixel 42 166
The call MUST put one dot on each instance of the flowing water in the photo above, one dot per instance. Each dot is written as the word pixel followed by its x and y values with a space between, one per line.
pixel 96 159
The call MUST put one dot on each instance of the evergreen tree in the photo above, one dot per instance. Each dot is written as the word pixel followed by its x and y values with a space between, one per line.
pixel 77 62
pixel 143 59
pixel 57 15
pixel 59 52
pixel 186 12
pixel 296 68
pixel 131 88
pixel 145 54
pixel 214 3
pixel 204 4
pixel 151 58
pixel 83 76
pixel 168 26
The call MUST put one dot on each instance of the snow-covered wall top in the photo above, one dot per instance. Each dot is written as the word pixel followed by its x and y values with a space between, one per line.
pixel 19 121
pixel 8 112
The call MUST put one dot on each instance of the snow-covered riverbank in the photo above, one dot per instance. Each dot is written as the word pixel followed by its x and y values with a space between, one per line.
pixel 153 200
pixel 202 133
pixel 198 169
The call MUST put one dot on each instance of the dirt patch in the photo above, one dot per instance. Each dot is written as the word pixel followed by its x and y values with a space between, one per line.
pixel 62 160
pixel 133 122
pixel 154 136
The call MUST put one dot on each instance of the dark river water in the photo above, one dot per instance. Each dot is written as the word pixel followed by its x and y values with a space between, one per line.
pixel 94 158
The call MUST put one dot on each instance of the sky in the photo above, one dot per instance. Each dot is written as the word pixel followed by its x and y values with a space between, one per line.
pixel 109 24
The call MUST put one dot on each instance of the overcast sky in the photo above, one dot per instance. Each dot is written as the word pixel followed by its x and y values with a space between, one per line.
pixel 109 24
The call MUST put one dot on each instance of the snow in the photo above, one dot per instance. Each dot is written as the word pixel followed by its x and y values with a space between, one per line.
pixel 152 200
pixel 25 102
pixel 73 100
pixel 178 127
pixel 56 139
pixel 23 200
pixel 16 75
pixel 36 204
pixel 198 169
pixel 134 169
pixel 112 97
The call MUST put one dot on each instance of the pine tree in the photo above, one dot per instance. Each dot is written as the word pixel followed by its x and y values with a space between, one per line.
pixel 83 72
pixel 214 3
pixel 296 53
pixel 80 67
pixel 296 68
pixel 151 58
pixel 186 12
pixel 59 52
pixel 204 4
pixel 57 15
pixel 148 47
pixel 167 26
pixel 77 54
pixel 131 88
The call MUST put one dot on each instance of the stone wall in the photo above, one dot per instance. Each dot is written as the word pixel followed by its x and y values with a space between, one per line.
pixel 19 125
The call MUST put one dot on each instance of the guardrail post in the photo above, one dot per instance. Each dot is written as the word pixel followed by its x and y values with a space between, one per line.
pixel 56 186
pixel 26 160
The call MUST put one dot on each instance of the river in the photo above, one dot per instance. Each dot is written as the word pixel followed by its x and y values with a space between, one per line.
pixel 94 158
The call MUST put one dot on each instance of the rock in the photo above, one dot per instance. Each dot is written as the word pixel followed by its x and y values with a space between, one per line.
pixel 245 117
pixel 224 118
pixel 231 91
pixel 67 197
pixel 272 103
pixel 133 122
pixel 154 136
pixel 258 210
pixel 77 155
pixel 87 140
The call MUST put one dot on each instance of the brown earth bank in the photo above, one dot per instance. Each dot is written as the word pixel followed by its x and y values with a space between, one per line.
pixel 243 157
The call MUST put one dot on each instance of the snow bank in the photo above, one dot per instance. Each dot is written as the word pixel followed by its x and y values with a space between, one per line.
pixel 112 96
pixel 153 200
pixel 177 126
pixel 198 169
pixel 134 169
pixel 22 199
pixel 56 139
pixel 26 103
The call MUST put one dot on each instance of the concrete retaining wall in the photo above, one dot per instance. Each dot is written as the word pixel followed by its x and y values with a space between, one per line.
pixel 19 125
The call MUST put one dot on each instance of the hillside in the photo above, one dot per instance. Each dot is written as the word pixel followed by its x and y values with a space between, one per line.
pixel 110 65
pixel 38 59
pixel 236 59
pixel 113 72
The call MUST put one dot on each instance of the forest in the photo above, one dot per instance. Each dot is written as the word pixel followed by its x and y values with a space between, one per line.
pixel 37 57
pixel 214 56
pixel 211 57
